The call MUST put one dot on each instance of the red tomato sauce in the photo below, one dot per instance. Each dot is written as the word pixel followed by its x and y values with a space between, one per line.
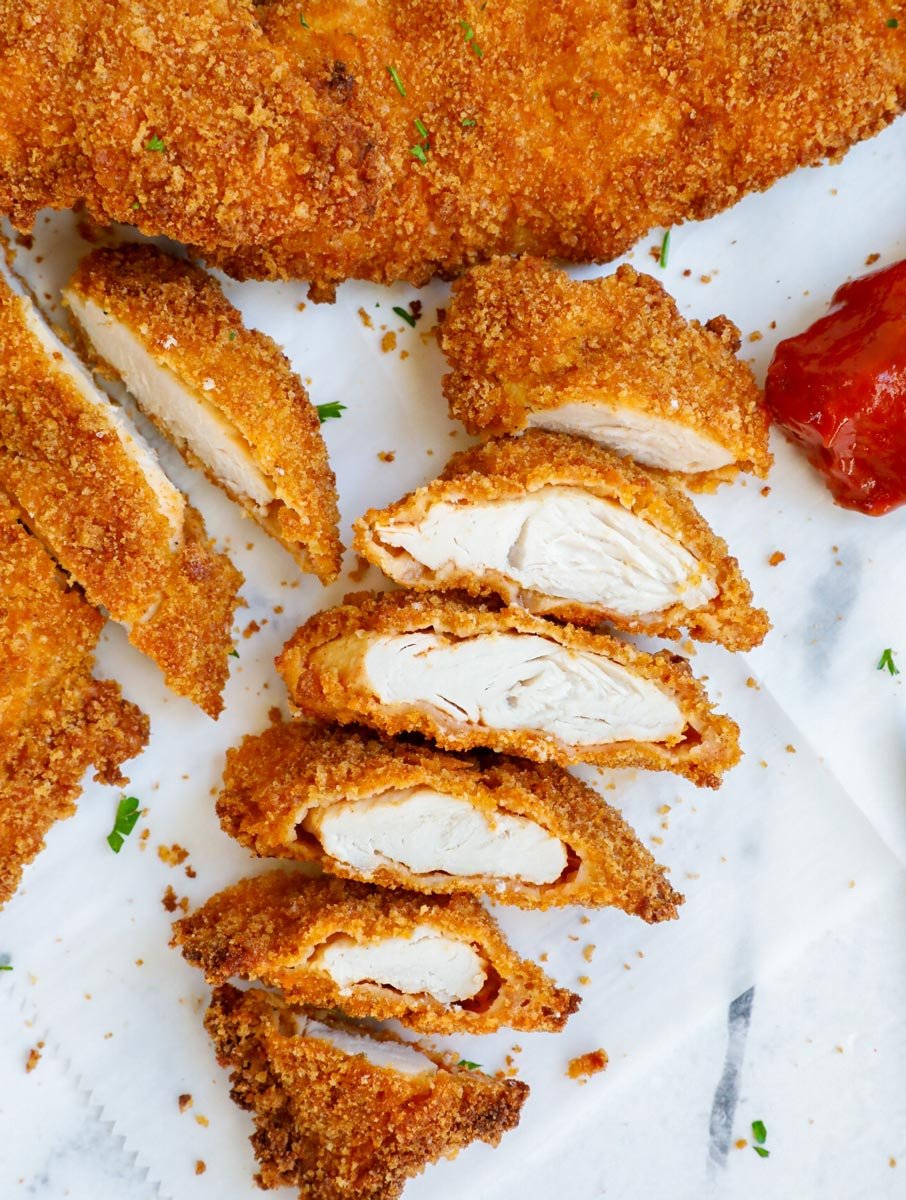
pixel 839 390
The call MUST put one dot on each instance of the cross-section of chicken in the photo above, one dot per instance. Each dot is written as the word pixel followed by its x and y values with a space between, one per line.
pixel 436 963
pixel 469 676
pixel 568 530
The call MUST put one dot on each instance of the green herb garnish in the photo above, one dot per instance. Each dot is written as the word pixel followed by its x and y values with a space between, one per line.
pixel 596 95
pixel 332 409
pixel 156 144
pixel 886 662
pixel 127 815
pixel 303 22
pixel 759 1132
pixel 419 153
pixel 468 122
pixel 397 82
pixel 470 38
pixel 135 204
pixel 421 128
pixel 893 23
pixel 665 250
pixel 234 653
pixel 470 1066
pixel 407 316
pixel 761 1152
pixel 6 966
pixel 232 335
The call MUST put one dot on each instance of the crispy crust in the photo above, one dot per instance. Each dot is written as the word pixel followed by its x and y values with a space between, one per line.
pixel 160 298
pixel 264 929
pixel 710 743
pixel 92 505
pixel 335 1125
pixel 285 150
pixel 521 336
pixel 507 468
pixel 273 778
pixel 56 720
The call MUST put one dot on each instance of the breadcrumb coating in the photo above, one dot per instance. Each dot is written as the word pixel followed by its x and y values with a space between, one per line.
pixel 266 928
pixel 325 690
pixel 335 1125
pixel 56 719
pixel 566 129
pixel 273 779
pixel 520 337
pixel 95 496
pixel 511 468
pixel 182 318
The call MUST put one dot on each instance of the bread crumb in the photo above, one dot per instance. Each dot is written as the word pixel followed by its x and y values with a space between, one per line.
pixel 790 749
pixel 34 1057
pixel 404 354
pixel 740 1143
pixel 173 856
pixel 589 952
pixel 191 873
pixel 251 629
pixel 765 491
pixel 366 319
pixel 542 957
pixel 200 1167
pixel 839 1049
pixel 169 899
pixel 585 980
pixel 274 715
pixel 387 456
pixel 202 1121
pixel 750 683
pixel 388 341
pixel 587 1064
pixel 776 558
pixel 184 1101
pixel 872 258
pixel 756 335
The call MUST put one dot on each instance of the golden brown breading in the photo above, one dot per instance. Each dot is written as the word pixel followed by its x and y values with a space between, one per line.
pixel 522 338
pixel 511 468
pixel 321 665
pixel 566 129
pixel 335 1125
pixel 94 494
pixel 273 779
pixel 180 316
pixel 56 720
pixel 267 928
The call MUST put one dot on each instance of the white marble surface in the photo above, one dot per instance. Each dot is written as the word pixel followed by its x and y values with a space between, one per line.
pixel 767 863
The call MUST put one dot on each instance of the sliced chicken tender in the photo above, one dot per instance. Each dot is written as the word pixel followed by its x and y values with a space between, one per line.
pixel 469 676
pixel 225 395
pixel 358 1109
pixel 436 963
pixel 405 815
pixel 56 719
pixel 610 359
pixel 92 491
pixel 570 530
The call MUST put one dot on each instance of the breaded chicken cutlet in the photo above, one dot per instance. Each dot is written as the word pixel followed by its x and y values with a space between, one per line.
pixel 92 490
pixel 568 530
pixel 404 815
pixel 610 359
pixel 224 394
pixel 344 1112
pixel 470 676
pixel 56 719
pixel 397 141
pixel 439 964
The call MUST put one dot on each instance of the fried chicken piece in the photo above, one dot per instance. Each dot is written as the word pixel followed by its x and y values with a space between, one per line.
pixel 56 719
pixel 92 490
pixel 439 964
pixel 569 530
pixel 225 395
pixel 345 1112
pixel 401 814
pixel 469 676
pixel 281 148
pixel 609 359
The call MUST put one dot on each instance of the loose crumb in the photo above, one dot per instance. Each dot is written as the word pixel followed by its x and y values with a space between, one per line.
pixel 191 873
pixel 765 491
pixel 756 335
pixel 274 715
pixel 776 558
pixel 872 258
pixel 589 952
pixel 751 683
pixel 251 629
pixel 585 980
pixel 184 1101
pixel 173 856
pixel 388 341
pixel 790 749
pixel 200 1167
pixel 542 957
pixel 366 319
pixel 741 1143
pixel 587 1064
pixel 387 456
pixel 202 1121
pixel 169 899
pixel 34 1057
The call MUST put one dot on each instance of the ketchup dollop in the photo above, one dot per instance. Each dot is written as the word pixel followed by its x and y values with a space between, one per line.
pixel 839 390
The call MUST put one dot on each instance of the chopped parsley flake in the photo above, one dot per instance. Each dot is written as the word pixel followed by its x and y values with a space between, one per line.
pixel 596 95
pixel 232 335
pixel 407 316
pixel 156 144
pixel 470 1066
pixel 759 1132
pixel 303 22
pixel 893 23
pixel 397 82
pixel 470 38
pixel 234 653
pixel 6 966
pixel 468 122
pixel 127 815
pixel 665 250
pixel 419 153
pixel 761 1152
pixel 419 125
pixel 135 204
pixel 332 409
pixel 885 662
